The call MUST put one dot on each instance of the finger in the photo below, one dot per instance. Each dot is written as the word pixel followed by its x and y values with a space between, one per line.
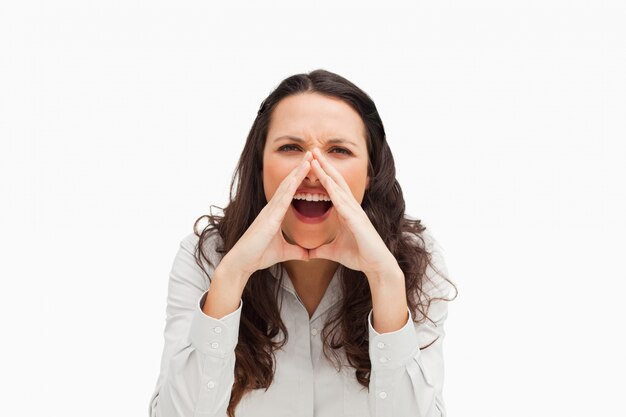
pixel 348 208
pixel 296 174
pixel 342 200
pixel 325 251
pixel 331 170
pixel 294 252
pixel 333 189
pixel 286 190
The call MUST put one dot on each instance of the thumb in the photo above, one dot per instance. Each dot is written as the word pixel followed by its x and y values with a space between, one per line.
pixel 295 252
pixel 322 252
pixel 291 251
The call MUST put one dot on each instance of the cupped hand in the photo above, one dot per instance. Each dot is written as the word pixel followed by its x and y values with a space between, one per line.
pixel 263 243
pixel 357 244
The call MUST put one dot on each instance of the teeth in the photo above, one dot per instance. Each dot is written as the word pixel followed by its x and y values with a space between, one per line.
pixel 311 197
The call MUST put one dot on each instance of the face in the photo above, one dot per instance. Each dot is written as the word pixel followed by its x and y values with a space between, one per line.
pixel 311 120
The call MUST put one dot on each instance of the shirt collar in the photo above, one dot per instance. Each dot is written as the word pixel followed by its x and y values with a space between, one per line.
pixel 330 298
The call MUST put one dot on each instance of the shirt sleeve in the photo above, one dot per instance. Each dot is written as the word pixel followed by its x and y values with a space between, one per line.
pixel 407 365
pixel 198 360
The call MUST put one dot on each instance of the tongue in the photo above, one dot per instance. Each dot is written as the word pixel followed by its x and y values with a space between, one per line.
pixel 311 208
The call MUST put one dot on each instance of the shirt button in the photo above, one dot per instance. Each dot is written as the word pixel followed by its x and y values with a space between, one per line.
pixel 383 395
pixel 210 385
pixel 314 332
pixel 383 360
pixel 215 345
pixel 380 345
pixel 218 330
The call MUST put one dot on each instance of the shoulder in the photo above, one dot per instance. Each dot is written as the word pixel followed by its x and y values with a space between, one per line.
pixel 425 238
pixel 436 281
pixel 212 242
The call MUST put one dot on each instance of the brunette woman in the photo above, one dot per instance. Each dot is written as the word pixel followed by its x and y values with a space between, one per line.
pixel 314 294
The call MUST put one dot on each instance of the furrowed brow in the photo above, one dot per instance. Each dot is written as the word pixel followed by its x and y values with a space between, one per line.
pixel 300 140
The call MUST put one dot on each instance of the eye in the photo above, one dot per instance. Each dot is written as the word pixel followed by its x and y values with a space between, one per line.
pixel 343 150
pixel 288 146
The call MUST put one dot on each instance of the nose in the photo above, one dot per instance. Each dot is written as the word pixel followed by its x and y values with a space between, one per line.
pixel 311 176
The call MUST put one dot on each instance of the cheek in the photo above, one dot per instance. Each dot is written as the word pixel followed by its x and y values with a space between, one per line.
pixel 270 184
pixel 273 174
pixel 269 181
pixel 356 177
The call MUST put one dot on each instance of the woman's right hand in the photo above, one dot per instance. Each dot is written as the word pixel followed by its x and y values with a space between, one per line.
pixel 263 243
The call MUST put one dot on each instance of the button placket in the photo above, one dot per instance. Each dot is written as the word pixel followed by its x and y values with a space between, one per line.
pixel 383 383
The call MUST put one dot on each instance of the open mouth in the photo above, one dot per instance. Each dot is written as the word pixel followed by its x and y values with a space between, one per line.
pixel 311 209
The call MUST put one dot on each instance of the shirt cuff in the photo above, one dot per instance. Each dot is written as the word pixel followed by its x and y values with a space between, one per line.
pixel 211 336
pixel 393 349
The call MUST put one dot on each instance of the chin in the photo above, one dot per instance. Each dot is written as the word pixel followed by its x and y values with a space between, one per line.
pixel 307 236
pixel 313 244
pixel 306 240
pixel 309 242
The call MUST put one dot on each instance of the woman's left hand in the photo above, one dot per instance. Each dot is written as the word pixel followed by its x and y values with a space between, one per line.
pixel 357 244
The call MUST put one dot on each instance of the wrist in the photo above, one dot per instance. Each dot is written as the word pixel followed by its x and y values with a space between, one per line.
pixel 390 274
pixel 389 303
pixel 228 272
pixel 225 291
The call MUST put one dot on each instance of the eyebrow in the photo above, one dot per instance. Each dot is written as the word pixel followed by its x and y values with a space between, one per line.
pixel 297 139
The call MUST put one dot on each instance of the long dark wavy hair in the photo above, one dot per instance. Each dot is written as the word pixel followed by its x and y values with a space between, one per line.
pixel 383 202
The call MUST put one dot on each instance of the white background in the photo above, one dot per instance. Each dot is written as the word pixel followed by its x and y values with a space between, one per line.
pixel 121 122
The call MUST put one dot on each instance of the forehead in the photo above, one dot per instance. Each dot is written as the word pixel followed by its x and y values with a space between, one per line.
pixel 315 117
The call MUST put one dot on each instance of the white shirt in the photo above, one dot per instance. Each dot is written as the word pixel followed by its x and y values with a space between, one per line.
pixel 198 358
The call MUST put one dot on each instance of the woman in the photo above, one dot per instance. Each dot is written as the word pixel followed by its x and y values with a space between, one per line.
pixel 325 299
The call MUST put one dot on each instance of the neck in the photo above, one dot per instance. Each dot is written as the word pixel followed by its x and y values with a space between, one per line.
pixel 311 276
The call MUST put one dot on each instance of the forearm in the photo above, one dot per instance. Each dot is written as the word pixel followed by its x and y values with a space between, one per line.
pixel 407 380
pixel 225 291
pixel 195 383
pixel 389 306
pixel 198 376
